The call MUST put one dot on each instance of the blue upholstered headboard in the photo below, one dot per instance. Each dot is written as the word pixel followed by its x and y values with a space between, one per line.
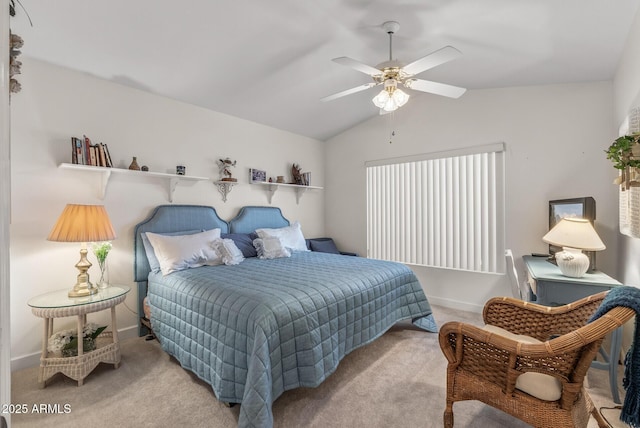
pixel 176 218
pixel 252 218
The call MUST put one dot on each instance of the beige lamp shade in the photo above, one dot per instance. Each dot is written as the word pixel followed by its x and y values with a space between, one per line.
pixel 574 233
pixel 83 223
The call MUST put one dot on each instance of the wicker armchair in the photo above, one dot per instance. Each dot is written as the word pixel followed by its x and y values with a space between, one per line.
pixel 484 366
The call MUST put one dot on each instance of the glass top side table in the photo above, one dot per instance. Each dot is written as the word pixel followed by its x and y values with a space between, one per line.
pixel 58 304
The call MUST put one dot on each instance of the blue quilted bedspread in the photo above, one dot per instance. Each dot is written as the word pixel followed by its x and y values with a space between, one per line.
pixel 262 327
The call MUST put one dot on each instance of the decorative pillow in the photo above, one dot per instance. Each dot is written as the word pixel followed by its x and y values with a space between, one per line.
pixel 231 254
pixel 291 236
pixel 540 385
pixel 244 242
pixel 270 248
pixel 154 264
pixel 324 246
pixel 181 252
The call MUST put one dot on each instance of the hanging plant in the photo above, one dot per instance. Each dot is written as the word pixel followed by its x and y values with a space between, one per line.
pixel 624 152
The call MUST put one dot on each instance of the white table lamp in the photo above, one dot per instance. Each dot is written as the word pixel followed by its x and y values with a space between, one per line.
pixel 574 235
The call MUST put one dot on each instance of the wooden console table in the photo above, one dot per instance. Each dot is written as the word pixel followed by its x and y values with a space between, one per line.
pixel 552 288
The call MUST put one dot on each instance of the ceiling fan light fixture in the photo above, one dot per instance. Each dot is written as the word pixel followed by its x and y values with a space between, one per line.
pixel 390 98
pixel 400 97
pixel 381 99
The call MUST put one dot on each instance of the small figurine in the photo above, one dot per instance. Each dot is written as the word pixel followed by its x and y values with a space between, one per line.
pixel 225 169
pixel 296 172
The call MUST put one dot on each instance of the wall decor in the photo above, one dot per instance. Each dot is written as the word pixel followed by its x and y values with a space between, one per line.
pixel 257 175
pixel 629 178
pixel 134 164
pixel 15 43
pixel 225 169
pixel 296 174
pixel 624 152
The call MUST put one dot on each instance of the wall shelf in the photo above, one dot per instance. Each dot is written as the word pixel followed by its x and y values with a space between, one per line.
pixel 224 187
pixel 272 187
pixel 105 174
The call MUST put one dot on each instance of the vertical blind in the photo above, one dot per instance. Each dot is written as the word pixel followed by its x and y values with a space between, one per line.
pixel 442 209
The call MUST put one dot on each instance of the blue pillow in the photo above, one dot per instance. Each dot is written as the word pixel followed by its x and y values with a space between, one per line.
pixel 244 242
pixel 324 246
pixel 154 264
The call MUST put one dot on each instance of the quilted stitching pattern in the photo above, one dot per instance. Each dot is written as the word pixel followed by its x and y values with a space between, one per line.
pixel 260 328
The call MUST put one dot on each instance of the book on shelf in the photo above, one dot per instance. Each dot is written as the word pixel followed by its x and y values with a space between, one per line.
pixel 93 156
pixel 107 156
pixel 101 157
pixel 77 152
pixel 85 153
pixel 87 150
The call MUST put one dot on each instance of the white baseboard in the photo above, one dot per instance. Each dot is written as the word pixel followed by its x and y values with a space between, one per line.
pixel 33 360
pixel 456 304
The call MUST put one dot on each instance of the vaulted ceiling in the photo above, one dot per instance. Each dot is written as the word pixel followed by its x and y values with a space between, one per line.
pixel 270 61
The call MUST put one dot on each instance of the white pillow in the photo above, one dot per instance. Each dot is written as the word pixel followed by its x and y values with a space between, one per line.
pixel 270 248
pixel 290 236
pixel 231 254
pixel 540 385
pixel 181 252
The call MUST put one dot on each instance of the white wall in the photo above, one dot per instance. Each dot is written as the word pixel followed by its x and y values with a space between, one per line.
pixel 626 86
pixel 56 104
pixel 627 95
pixel 5 199
pixel 555 137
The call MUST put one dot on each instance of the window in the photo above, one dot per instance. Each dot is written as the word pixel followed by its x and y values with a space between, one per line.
pixel 441 209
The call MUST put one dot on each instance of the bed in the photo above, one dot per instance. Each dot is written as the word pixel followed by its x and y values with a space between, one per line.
pixel 258 328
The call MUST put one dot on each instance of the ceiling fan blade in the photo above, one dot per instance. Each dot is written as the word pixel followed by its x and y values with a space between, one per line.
pixel 357 65
pixel 435 88
pixel 348 92
pixel 446 54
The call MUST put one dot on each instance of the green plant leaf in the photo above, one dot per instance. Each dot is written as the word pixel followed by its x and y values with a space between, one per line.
pixel 97 332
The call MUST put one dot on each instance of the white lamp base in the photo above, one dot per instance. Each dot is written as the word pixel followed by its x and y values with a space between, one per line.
pixel 572 262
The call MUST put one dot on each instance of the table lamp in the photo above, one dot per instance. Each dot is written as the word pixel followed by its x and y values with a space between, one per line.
pixel 574 235
pixel 83 223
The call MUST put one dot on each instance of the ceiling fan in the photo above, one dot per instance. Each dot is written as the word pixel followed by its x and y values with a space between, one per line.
pixel 391 73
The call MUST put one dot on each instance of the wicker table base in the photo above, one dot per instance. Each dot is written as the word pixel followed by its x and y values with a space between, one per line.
pixel 78 367
pixel 107 346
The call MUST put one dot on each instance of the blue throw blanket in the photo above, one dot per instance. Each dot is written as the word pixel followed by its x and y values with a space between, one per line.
pixel 628 297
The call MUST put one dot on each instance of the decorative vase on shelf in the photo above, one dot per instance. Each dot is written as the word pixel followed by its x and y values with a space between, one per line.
pixel 134 164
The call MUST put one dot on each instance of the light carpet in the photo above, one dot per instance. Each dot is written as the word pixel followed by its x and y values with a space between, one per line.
pixel 398 380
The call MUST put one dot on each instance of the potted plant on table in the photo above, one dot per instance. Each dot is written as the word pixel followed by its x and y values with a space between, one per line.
pixel 66 341
pixel 624 152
